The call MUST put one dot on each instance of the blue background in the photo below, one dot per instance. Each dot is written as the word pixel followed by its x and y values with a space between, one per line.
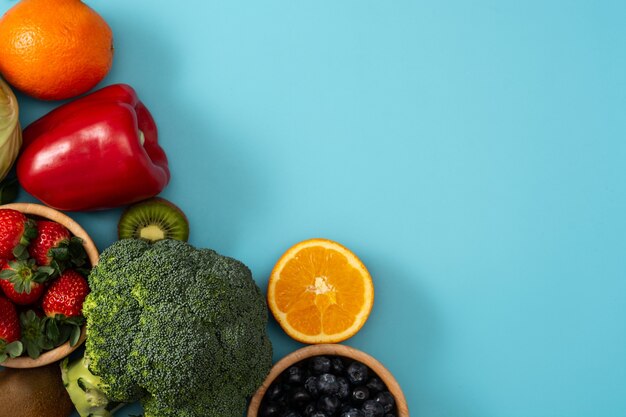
pixel 472 153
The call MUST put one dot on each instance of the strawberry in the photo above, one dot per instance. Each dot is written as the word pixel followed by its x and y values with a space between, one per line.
pixel 22 282
pixel 16 231
pixel 10 345
pixel 63 306
pixel 22 298
pixel 65 295
pixel 55 246
pixel 49 235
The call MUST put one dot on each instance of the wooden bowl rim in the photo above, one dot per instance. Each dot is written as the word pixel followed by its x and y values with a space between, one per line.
pixel 49 213
pixel 337 350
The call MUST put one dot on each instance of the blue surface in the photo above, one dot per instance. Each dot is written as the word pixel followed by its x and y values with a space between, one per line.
pixel 471 153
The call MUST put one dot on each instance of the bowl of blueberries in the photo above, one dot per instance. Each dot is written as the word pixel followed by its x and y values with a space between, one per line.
pixel 328 380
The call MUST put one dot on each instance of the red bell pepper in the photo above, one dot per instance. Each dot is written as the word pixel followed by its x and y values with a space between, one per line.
pixel 99 151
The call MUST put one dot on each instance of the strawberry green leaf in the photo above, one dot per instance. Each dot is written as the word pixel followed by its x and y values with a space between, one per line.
pixel 74 336
pixel 60 253
pixel 20 252
pixel 7 274
pixel 34 335
pixel 65 331
pixel 78 255
pixel 52 330
pixel 83 271
pixel 30 232
pixel 60 329
pixel 68 254
pixel 46 270
pixel 8 350
pixel 14 349
pixel 76 247
pixel 57 266
pixel 27 318
pixel 22 287
pixel 75 321
pixel 33 349
pixel 44 274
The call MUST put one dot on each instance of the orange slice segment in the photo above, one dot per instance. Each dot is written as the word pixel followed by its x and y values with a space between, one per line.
pixel 320 292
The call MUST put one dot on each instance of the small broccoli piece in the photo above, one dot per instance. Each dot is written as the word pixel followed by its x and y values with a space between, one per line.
pixel 166 315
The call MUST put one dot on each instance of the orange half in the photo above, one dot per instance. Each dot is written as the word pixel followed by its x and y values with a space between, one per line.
pixel 320 292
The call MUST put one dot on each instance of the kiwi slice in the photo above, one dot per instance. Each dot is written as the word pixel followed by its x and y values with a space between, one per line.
pixel 152 220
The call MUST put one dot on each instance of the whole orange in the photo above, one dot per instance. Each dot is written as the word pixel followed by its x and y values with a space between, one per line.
pixel 54 49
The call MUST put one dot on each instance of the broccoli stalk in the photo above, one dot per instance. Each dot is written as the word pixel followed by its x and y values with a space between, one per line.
pixel 166 315
pixel 84 389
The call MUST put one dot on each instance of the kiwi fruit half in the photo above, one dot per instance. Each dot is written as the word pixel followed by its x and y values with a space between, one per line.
pixel 152 220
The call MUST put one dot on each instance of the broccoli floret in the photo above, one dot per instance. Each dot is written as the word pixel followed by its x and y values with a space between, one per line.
pixel 179 328
pixel 114 316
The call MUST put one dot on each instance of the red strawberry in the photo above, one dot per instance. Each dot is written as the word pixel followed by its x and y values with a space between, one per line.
pixel 55 246
pixel 10 344
pixel 65 295
pixel 49 235
pixel 22 282
pixel 22 298
pixel 16 230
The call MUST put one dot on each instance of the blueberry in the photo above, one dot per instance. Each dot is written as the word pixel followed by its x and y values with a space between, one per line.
pixel 372 408
pixel 344 388
pixel 318 414
pixel 276 392
pixel 357 373
pixel 310 385
pixel 327 384
pixel 375 385
pixel 300 397
pixel 360 394
pixel 294 375
pixel 386 400
pixel 309 410
pixel 337 365
pixel 320 365
pixel 269 410
pixel 351 412
pixel 291 413
pixel 390 415
pixel 328 404
pixel 345 407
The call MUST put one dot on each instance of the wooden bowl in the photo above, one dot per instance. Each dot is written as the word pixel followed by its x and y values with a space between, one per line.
pixel 38 210
pixel 329 350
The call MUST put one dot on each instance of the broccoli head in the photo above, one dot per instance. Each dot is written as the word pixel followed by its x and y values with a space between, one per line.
pixel 179 328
